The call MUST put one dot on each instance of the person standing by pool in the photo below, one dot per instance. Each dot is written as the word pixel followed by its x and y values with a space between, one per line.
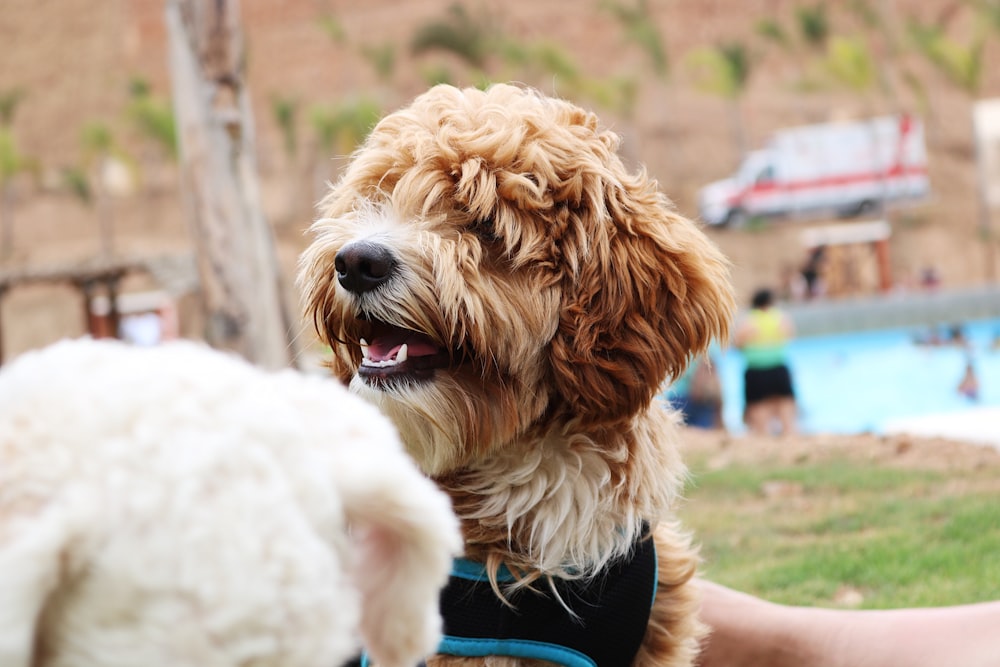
pixel 969 385
pixel 762 336
pixel 698 394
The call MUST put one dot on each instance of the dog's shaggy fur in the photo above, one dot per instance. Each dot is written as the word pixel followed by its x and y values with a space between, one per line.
pixel 544 295
pixel 176 507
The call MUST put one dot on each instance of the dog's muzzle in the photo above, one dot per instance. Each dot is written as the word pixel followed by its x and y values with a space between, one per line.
pixel 362 266
pixel 390 354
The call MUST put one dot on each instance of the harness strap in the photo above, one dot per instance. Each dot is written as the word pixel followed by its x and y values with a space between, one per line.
pixel 608 621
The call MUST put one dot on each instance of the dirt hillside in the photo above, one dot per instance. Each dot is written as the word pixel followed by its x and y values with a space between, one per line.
pixel 73 60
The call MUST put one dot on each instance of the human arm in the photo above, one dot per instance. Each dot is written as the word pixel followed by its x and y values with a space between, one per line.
pixel 750 632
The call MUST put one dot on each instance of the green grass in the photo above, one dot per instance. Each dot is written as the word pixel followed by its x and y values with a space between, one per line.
pixel 898 537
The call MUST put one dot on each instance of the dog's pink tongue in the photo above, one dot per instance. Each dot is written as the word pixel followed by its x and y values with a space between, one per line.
pixel 387 347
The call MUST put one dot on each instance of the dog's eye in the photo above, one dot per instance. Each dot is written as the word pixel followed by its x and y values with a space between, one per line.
pixel 485 229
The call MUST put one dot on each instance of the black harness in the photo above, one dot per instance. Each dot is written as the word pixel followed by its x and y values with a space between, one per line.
pixel 610 612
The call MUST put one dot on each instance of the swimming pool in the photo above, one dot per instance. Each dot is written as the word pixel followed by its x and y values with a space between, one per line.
pixel 853 383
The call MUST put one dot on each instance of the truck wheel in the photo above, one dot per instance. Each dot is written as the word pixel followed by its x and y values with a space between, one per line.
pixel 735 219
pixel 864 207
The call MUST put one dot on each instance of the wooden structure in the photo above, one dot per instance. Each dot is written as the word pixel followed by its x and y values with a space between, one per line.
pixel 99 281
pixel 856 256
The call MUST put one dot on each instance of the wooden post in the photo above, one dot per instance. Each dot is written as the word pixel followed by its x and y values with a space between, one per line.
pixel 3 292
pixel 86 288
pixel 114 314
pixel 884 264
pixel 236 255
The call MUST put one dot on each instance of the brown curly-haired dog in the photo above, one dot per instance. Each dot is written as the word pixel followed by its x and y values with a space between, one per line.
pixel 489 274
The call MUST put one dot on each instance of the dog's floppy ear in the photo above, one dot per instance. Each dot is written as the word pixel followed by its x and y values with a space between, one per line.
pixel 648 291
pixel 29 573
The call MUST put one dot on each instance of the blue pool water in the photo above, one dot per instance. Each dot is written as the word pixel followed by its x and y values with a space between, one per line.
pixel 853 383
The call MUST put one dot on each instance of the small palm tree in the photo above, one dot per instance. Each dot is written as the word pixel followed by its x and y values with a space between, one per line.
pixel 850 64
pixel 323 120
pixel 881 27
pixel 961 62
pixel 468 37
pixel 435 73
pixel 339 130
pixel 770 30
pixel 478 42
pixel 807 42
pixel 725 70
pixel 153 121
pixel 77 183
pixel 989 10
pixel 286 110
pixel 542 59
pixel 10 100
pixel 814 25
pixel 333 28
pixel 153 118
pixel 382 58
pixel 101 155
pixel 13 163
pixel 641 29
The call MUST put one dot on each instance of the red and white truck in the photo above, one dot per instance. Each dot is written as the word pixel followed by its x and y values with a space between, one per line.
pixel 846 169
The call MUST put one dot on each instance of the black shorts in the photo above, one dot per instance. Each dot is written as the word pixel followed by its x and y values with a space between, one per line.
pixel 763 383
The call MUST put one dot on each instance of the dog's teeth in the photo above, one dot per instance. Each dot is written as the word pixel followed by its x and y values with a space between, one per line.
pixel 401 355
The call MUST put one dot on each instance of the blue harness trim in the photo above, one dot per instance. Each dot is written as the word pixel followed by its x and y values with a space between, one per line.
pixel 470 570
pixel 514 648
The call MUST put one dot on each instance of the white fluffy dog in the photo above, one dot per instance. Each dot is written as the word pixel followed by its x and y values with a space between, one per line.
pixel 178 507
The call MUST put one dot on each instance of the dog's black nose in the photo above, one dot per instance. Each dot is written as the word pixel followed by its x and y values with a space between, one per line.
pixel 363 266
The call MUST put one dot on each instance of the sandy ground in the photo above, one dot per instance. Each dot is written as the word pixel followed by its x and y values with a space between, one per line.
pixel 721 449
pixel 977 426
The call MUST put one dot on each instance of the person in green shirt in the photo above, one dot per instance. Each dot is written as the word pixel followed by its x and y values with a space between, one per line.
pixel 762 337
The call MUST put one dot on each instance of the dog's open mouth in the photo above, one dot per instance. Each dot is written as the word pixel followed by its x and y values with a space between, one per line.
pixel 392 354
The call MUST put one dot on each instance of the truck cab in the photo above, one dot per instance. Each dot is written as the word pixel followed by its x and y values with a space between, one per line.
pixel 753 190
